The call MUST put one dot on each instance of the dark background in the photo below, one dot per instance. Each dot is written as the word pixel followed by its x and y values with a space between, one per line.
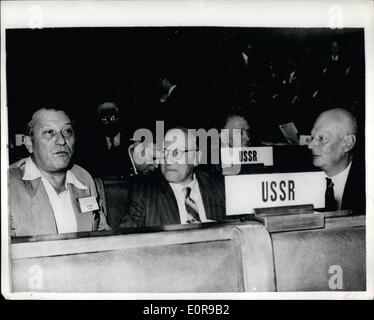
pixel 78 68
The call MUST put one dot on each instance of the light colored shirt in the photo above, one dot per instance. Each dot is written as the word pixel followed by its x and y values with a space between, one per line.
pixel 339 181
pixel 61 203
pixel 116 141
pixel 195 195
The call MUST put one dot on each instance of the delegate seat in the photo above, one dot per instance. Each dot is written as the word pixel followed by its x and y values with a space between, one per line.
pixel 114 194
pixel 179 258
pixel 235 256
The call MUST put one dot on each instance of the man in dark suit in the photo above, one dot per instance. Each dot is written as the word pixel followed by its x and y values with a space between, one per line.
pixel 111 156
pixel 175 95
pixel 333 140
pixel 177 193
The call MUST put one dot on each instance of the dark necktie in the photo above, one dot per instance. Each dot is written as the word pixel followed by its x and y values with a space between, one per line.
pixel 191 207
pixel 330 203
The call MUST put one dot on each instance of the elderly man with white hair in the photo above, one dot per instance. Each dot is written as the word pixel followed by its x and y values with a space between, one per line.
pixel 334 137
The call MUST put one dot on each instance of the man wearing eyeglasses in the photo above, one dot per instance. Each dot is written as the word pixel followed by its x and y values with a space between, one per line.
pixel 108 114
pixel 178 193
pixel 48 194
pixel 108 156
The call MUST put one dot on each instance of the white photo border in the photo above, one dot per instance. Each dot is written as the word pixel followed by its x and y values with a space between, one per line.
pixel 330 14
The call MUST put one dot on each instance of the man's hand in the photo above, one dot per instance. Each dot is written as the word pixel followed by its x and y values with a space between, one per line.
pixel 145 156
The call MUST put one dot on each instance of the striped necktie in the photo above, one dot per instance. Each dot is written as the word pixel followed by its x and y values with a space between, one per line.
pixel 191 208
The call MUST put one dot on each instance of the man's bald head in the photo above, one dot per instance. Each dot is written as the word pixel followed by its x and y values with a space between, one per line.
pixel 344 121
pixel 333 139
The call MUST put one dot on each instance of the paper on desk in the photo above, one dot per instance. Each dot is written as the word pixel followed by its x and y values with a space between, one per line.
pixel 290 132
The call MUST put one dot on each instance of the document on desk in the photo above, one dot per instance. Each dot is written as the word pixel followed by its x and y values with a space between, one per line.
pixel 290 132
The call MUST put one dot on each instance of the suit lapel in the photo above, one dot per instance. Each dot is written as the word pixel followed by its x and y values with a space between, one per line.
pixel 354 194
pixel 169 211
pixel 209 196
pixel 42 219
pixel 84 219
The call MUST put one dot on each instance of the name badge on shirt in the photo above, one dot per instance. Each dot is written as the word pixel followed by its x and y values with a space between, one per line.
pixel 88 204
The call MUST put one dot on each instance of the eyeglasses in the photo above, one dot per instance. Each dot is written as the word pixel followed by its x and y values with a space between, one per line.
pixel 176 153
pixel 107 119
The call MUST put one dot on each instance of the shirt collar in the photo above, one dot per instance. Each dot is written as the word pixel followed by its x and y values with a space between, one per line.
pixel 179 187
pixel 116 140
pixel 32 172
pixel 245 57
pixel 342 174
pixel 72 179
pixel 171 89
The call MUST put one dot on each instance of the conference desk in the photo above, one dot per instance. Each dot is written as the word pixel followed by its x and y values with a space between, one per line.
pixel 234 256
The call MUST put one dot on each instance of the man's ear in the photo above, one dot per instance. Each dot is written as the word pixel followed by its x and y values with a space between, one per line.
pixel 349 142
pixel 28 144
pixel 197 159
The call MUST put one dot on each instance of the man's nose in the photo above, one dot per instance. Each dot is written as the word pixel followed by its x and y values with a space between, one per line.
pixel 60 139
pixel 169 159
pixel 246 137
pixel 312 144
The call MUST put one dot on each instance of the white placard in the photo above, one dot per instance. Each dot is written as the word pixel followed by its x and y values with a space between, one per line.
pixel 253 155
pixel 304 140
pixel 247 192
pixel 20 139
pixel 88 204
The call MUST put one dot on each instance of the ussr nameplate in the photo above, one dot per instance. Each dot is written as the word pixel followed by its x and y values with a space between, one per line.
pixel 251 155
pixel 244 193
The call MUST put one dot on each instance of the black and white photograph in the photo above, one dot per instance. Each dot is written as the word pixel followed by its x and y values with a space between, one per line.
pixel 204 149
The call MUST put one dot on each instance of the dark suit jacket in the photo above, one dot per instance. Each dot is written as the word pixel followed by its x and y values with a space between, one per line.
pixel 354 195
pixel 152 201
pixel 172 110
pixel 101 162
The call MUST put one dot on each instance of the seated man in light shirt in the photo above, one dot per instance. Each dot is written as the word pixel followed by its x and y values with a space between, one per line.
pixel 177 193
pixel 333 141
pixel 48 194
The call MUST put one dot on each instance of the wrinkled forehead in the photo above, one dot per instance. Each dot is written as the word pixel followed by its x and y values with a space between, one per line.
pixel 326 124
pixel 236 122
pixel 178 139
pixel 51 117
